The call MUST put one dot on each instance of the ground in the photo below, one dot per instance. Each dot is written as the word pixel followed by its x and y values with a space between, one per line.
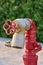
pixel 12 56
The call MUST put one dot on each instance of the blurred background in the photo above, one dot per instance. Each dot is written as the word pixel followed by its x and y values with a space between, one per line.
pixel 12 9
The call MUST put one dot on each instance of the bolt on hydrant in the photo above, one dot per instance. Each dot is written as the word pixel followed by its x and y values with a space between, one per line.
pixel 24 35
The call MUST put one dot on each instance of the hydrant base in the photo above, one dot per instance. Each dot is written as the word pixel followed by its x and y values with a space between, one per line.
pixel 30 59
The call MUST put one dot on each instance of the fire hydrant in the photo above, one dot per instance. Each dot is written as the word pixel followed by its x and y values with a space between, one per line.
pixel 31 46
pixel 27 30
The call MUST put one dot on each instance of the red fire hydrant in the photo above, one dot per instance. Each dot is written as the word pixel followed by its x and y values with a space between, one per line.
pixel 31 46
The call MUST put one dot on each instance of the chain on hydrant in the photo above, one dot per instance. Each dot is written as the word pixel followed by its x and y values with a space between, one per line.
pixel 31 46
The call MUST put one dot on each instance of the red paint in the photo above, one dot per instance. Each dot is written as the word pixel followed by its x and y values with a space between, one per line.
pixel 31 46
pixel 10 25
